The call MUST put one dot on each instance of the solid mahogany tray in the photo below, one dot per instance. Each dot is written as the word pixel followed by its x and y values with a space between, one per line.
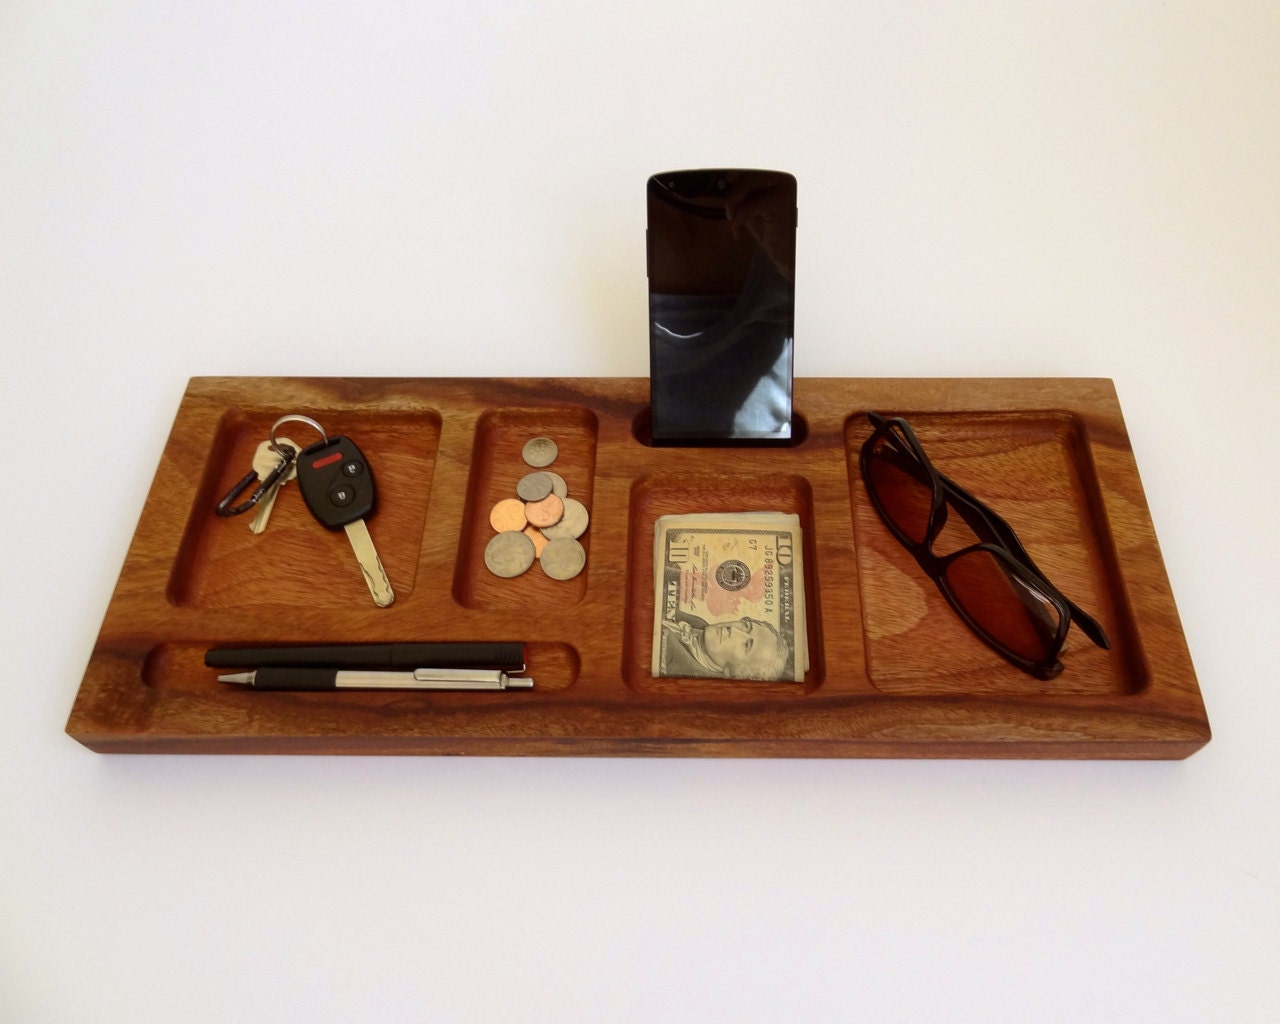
pixel 893 673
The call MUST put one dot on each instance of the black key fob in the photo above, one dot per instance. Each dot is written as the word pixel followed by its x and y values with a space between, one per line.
pixel 336 482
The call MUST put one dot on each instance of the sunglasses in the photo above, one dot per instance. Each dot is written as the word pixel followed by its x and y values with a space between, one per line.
pixel 993 585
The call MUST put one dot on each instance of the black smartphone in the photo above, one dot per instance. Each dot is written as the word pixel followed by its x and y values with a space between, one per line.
pixel 722 269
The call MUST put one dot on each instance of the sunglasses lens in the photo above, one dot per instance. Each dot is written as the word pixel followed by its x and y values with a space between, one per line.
pixel 1011 610
pixel 902 489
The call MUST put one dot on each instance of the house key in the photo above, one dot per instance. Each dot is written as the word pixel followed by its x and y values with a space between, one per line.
pixel 337 485
pixel 265 460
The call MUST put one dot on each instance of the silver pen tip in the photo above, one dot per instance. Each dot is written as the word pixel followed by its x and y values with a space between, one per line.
pixel 519 683
pixel 243 678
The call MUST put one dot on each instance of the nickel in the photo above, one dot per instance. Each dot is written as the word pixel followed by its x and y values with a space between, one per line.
pixel 535 486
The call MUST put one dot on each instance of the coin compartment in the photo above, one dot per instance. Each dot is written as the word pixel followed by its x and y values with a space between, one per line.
pixel 296 562
pixel 497 466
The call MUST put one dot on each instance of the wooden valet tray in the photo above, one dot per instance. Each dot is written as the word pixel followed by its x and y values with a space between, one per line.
pixel 893 672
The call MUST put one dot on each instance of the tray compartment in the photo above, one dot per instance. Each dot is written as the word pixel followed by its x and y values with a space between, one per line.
pixel 1034 470
pixel 295 561
pixel 177 671
pixel 496 468
pixel 666 493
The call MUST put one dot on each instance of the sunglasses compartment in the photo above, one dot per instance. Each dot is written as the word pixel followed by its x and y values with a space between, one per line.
pixel 1035 470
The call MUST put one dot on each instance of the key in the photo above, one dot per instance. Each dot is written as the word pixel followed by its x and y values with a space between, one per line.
pixel 337 485
pixel 265 459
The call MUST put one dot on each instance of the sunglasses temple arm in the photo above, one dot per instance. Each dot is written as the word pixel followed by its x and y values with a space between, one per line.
pixel 976 514
pixel 1091 627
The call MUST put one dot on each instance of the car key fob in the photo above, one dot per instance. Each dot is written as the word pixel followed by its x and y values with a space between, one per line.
pixel 336 482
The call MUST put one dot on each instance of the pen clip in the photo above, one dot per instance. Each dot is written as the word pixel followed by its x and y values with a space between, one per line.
pixel 472 678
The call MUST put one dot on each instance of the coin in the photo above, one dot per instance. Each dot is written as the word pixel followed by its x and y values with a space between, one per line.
pixel 508 514
pixel 540 452
pixel 573 524
pixel 558 487
pixel 535 486
pixel 546 512
pixel 563 559
pixel 508 554
pixel 538 537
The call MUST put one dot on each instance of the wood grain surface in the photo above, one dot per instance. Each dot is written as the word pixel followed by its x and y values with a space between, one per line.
pixel 893 673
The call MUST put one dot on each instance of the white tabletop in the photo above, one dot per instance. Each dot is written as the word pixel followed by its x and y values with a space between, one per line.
pixel 1005 189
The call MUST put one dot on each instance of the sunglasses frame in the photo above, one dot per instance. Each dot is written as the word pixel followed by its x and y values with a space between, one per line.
pixel 996 537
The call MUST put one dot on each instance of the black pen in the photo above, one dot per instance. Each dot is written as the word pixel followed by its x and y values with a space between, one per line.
pixel 507 656
pixel 313 678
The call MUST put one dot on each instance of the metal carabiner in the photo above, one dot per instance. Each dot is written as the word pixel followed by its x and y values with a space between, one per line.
pixel 224 508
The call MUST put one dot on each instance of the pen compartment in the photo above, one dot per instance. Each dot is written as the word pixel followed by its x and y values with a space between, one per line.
pixel 179 668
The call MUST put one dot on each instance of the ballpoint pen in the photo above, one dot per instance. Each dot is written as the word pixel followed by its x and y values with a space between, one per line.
pixel 313 678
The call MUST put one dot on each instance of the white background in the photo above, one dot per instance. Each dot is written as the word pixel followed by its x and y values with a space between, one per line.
pixel 986 189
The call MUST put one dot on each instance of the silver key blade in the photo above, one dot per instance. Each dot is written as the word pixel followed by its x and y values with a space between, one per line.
pixel 370 564
pixel 259 521
pixel 265 461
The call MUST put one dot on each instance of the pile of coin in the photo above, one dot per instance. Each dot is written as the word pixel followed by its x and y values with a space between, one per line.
pixel 542 523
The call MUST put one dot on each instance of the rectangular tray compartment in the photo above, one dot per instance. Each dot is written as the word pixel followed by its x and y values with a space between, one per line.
pixel 496 468
pixel 687 493
pixel 295 562
pixel 1051 455
pixel 1035 471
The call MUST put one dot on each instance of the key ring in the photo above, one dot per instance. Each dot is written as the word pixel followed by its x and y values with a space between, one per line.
pixel 294 418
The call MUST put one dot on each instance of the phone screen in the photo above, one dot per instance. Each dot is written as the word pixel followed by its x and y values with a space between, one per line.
pixel 722 256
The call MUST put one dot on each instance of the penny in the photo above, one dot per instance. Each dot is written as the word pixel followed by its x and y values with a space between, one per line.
pixel 563 558
pixel 538 537
pixel 573 524
pixel 508 554
pixel 546 512
pixel 540 452
pixel 508 514
pixel 535 486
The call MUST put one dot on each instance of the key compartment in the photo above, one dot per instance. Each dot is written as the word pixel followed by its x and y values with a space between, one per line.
pixel 1051 455
pixel 296 562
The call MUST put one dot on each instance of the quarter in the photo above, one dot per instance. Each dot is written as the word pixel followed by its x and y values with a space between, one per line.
pixel 508 554
pixel 573 524
pixel 563 558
